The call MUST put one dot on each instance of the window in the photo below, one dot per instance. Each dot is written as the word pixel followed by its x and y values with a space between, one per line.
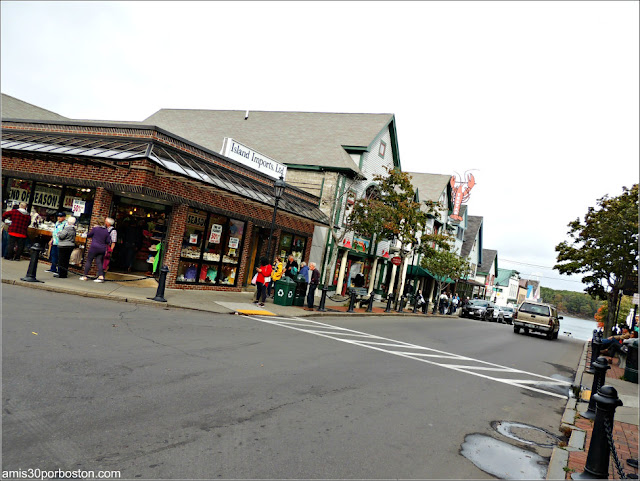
pixel 382 149
pixel 211 247
pixel 292 244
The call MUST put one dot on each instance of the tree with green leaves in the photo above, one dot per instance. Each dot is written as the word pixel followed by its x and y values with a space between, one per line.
pixel 395 214
pixel 604 247
pixel 445 264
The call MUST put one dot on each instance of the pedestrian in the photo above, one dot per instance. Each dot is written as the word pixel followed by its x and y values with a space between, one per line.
pixel 20 220
pixel 113 237
pixel 443 303
pixel 264 272
pixel 304 271
pixel 276 274
pixel 66 244
pixel 456 301
pixel 291 268
pixel 101 238
pixel 313 284
pixel 61 222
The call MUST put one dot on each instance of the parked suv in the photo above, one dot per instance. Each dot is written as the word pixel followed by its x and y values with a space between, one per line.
pixel 478 309
pixel 537 317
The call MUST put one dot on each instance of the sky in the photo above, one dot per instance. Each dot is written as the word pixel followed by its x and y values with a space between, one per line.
pixel 537 100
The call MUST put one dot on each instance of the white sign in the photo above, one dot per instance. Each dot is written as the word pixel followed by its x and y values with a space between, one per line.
pixel 253 159
pixel 47 197
pixel 17 193
pixel 216 232
pixel 78 207
pixel 234 242
pixel 635 299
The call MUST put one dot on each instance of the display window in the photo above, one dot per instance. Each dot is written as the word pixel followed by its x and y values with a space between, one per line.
pixel 292 244
pixel 15 191
pixel 211 247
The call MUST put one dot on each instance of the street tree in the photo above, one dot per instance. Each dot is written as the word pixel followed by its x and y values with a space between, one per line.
pixel 445 264
pixel 392 212
pixel 605 248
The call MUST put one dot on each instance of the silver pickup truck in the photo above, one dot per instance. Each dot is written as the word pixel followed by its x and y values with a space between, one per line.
pixel 537 317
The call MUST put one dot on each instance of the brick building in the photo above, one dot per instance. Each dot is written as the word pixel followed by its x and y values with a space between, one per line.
pixel 208 216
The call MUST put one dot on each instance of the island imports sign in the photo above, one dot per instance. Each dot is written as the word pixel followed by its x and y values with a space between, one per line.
pixel 253 159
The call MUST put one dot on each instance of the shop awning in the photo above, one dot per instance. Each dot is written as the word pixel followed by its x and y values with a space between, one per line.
pixel 173 161
pixel 472 282
pixel 419 271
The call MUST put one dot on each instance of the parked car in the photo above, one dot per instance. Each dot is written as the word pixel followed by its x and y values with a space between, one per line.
pixel 478 309
pixel 504 314
pixel 537 317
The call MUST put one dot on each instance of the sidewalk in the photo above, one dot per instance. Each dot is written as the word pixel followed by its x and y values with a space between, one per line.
pixel 135 289
pixel 573 457
pixel 141 290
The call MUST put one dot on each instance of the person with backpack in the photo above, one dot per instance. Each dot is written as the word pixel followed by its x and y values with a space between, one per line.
pixel 291 269
pixel 276 274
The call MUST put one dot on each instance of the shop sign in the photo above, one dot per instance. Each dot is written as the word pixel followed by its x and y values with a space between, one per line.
pixel 347 240
pixel 253 159
pixel 396 261
pixel 68 201
pixel 17 193
pixel 78 207
pixel 47 197
pixel 361 245
pixel 196 220
pixel 383 249
pixel 234 242
pixel 216 234
pixel 193 238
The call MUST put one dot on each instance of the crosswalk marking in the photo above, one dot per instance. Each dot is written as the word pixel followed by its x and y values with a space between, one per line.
pixel 423 354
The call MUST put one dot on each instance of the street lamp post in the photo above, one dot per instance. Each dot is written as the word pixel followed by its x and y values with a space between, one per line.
pixel 278 190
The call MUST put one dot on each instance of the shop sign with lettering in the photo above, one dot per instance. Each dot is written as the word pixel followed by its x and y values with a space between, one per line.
pixel 78 207
pixel 234 242
pixel 17 193
pixel 196 220
pixel 47 197
pixel 216 234
pixel 253 159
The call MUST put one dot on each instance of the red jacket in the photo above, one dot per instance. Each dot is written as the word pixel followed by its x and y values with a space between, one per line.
pixel 19 222
pixel 264 271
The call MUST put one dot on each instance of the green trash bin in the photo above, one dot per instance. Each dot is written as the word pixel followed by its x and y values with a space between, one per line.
pixel 631 367
pixel 300 292
pixel 284 290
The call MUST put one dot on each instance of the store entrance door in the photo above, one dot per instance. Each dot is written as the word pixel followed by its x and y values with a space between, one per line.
pixel 258 249
pixel 142 227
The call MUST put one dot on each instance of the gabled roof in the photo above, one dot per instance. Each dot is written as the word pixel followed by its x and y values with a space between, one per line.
pixel 306 139
pixel 431 186
pixel 488 258
pixel 18 109
pixel 474 223
pixel 502 279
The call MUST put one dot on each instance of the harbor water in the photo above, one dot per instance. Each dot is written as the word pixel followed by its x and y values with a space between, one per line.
pixel 577 328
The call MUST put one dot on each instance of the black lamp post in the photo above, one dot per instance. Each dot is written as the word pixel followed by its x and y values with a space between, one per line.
pixel 278 190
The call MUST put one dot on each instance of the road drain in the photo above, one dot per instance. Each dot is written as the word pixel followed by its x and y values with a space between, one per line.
pixel 526 434
pixel 503 460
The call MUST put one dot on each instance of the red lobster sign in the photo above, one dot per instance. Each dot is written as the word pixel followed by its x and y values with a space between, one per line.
pixel 460 192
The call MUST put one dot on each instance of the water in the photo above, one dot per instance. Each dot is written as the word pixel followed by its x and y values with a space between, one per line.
pixel 579 328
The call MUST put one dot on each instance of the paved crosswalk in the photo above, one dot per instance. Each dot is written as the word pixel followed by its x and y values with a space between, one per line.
pixel 475 367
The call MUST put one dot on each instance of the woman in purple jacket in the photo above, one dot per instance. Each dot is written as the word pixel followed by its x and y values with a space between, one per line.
pixel 101 238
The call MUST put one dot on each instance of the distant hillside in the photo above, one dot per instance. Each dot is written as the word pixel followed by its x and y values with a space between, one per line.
pixel 574 304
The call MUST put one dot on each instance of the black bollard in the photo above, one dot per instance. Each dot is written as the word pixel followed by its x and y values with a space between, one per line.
pixel 425 308
pixel 323 299
pixel 597 466
pixel 370 306
pixel 389 301
pixel 400 304
pixel 33 264
pixel 161 281
pixel 415 305
pixel 596 345
pixel 601 367
pixel 352 301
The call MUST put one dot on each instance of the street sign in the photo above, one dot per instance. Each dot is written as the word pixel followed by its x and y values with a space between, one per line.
pixel 396 261
pixel 635 298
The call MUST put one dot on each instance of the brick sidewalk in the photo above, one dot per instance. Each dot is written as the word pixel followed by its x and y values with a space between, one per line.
pixel 625 436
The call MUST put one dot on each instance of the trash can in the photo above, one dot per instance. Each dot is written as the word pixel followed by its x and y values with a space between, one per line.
pixel 300 292
pixel 631 368
pixel 284 289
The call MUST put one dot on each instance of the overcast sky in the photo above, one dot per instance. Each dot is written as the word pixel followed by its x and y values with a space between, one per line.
pixel 538 100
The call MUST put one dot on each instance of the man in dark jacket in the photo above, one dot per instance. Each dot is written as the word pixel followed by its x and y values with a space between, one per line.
pixel 313 283
pixel 20 220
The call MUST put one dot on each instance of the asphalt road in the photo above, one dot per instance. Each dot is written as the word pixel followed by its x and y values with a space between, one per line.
pixel 165 394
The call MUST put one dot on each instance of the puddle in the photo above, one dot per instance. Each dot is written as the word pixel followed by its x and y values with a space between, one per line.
pixel 503 460
pixel 526 434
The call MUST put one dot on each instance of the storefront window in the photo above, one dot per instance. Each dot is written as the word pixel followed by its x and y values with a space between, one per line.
pixel 79 203
pixel 292 244
pixel 211 249
pixel 17 190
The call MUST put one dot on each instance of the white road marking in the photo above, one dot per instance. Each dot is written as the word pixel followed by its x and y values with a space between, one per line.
pixel 312 327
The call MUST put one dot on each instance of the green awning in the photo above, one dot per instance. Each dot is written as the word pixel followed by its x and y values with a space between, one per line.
pixel 419 271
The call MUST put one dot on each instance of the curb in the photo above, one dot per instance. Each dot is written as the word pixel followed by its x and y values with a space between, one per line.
pixel 560 456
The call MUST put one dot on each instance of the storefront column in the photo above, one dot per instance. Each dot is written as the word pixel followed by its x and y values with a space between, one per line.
pixel 343 268
pixel 372 276
pixel 403 276
pixel 175 233
pixel 392 282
